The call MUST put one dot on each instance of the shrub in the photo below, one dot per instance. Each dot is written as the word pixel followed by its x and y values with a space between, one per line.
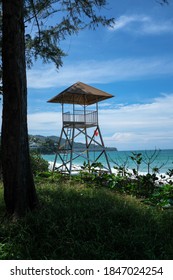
pixel 38 164
pixel 163 196
pixel 145 185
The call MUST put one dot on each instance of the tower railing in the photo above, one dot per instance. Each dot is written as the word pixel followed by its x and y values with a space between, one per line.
pixel 81 116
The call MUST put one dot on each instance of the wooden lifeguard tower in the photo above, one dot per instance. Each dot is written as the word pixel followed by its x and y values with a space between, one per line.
pixel 79 121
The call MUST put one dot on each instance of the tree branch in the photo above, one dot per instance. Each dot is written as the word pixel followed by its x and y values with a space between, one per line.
pixel 36 19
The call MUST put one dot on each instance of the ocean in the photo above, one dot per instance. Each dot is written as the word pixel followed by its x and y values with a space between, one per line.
pixel 161 159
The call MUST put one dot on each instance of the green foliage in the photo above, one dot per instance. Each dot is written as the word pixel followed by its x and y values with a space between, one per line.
pixel 107 180
pixel 170 172
pixel 44 174
pixel 141 186
pixel 90 173
pixel 48 147
pixel 137 159
pixel 148 158
pixel 38 164
pixel 43 145
pixel 48 144
pixel 94 167
pixel 144 185
pixel 69 18
pixel 122 171
pixel 75 222
pixel 163 196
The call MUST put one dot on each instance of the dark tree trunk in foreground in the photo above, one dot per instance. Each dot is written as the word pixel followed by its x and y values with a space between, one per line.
pixel 19 189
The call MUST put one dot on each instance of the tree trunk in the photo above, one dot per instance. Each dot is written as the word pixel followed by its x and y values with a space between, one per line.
pixel 19 189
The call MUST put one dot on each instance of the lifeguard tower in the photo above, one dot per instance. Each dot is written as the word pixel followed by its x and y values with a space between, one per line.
pixel 81 120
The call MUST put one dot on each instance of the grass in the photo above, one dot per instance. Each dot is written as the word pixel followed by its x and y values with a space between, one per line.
pixel 78 222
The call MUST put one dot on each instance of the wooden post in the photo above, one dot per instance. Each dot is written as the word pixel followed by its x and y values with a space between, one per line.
pixel 62 113
pixel 104 150
pixel 72 147
pixel 97 112
pixel 86 142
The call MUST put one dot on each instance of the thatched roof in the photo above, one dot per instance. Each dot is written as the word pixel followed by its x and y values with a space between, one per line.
pixel 80 93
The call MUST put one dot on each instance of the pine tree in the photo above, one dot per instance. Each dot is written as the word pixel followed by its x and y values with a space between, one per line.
pixel 19 49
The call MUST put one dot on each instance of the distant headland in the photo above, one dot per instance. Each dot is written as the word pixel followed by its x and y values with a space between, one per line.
pixel 48 144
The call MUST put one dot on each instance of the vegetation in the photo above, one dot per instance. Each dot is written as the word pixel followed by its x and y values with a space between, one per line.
pixel 147 187
pixel 38 164
pixel 137 159
pixel 80 222
pixel 92 215
pixel 48 144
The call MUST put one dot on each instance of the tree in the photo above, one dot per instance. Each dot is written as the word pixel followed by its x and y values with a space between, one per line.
pixel 71 17
pixel 17 49
pixel 19 190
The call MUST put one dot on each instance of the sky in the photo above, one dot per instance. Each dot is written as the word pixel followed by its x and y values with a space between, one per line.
pixel 132 60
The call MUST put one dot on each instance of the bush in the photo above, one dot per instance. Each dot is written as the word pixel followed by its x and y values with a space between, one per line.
pixel 163 196
pixel 38 164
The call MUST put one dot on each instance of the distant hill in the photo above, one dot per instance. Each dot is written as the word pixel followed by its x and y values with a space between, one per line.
pixel 48 144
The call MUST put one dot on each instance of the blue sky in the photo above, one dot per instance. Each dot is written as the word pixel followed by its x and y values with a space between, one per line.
pixel 133 60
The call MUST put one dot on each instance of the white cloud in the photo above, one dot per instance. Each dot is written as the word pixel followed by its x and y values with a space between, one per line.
pixel 124 21
pixel 157 28
pixel 92 71
pixel 46 123
pixel 138 126
pixel 142 24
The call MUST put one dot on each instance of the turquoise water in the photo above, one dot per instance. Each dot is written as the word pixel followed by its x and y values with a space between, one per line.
pixel 163 160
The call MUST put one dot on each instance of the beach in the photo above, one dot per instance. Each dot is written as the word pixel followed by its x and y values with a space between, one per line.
pixel 163 160
pixel 163 178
